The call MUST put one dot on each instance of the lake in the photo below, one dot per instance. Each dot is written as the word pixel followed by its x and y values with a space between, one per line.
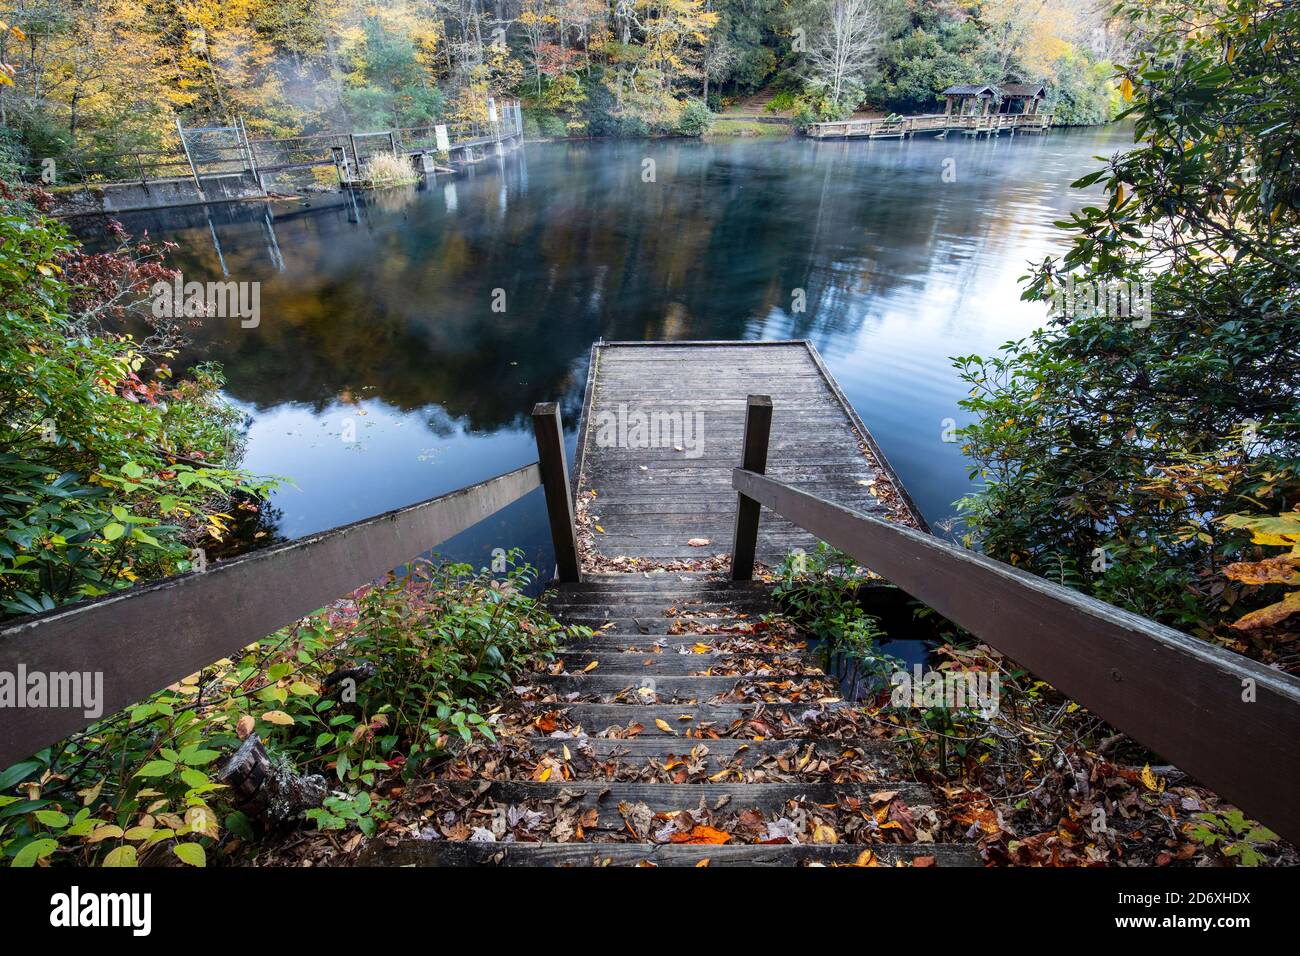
pixel 405 335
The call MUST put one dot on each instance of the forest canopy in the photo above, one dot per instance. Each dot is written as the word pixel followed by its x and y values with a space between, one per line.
pixel 94 77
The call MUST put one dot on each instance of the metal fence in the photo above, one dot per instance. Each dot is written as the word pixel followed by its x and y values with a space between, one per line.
pixel 209 151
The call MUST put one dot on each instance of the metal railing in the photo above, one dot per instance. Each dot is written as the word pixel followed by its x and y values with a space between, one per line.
pixel 265 154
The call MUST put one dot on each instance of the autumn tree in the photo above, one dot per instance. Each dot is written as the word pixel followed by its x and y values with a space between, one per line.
pixel 843 43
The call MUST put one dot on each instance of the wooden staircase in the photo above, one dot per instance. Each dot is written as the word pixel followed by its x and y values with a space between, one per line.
pixel 693 729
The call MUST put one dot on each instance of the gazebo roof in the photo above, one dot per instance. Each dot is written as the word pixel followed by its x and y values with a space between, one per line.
pixel 1023 89
pixel 970 89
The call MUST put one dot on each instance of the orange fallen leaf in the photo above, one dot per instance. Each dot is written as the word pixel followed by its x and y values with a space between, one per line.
pixel 664 726
pixel 702 834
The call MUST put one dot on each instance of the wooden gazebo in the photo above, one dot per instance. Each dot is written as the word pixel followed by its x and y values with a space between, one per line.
pixel 1021 97
pixel 980 99
pixel 969 99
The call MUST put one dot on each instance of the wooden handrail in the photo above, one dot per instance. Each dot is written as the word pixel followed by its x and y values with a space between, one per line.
pixel 549 432
pixel 145 638
pixel 1230 722
pixel 744 541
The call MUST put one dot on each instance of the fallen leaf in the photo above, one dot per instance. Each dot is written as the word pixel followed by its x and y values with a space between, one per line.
pixel 699 542
pixel 824 834
pixel 702 834
pixel 664 726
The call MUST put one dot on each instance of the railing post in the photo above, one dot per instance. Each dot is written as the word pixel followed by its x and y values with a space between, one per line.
pixel 744 545
pixel 555 480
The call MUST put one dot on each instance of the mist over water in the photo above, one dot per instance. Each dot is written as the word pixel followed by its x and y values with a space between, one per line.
pixel 377 319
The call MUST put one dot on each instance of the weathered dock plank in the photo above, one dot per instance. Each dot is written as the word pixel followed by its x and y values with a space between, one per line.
pixel 661 431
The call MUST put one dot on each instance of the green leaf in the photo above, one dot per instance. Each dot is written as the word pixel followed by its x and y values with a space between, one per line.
pixel 113 531
pixel 197 758
pixel 52 818
pixel 193 778
pixel 156 768
pixel 123 856
pixel 191 853
pixel 36 850
pixel 19 771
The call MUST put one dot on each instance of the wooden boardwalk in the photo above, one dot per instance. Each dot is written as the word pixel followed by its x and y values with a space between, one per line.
pixel 903 127
pixel 661 431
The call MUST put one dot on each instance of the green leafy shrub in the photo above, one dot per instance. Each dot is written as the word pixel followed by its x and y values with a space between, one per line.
pixel 551 125
pixel 784 101
pixel 696 119
pixel 372 688
pixel 1083 92
pixel 565 97
pixel 1110 446
pixel 819 591
pixel 1235 837
pixel 112 471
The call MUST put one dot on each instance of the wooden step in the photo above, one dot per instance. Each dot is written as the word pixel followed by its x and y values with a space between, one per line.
pixel 666 583
pixel 466 853
pixel 681 645
pixel 658 627
pixel 701 687
pixel 594 718
pixel 642 748
pixel 660 577
pixel 661 610
pixel 651 663
pixel 605 796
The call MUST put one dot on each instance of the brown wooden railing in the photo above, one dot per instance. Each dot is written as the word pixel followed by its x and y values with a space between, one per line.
pixel 148 637
pixel 1230 722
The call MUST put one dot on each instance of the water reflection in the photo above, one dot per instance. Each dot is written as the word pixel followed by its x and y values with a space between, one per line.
pixel 381 374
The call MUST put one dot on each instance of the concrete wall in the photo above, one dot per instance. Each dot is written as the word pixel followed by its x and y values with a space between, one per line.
pixel 158 194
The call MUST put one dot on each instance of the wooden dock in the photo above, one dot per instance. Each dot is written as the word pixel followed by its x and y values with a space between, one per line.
pixel 685 722
pixel 902 127
pixel 648 494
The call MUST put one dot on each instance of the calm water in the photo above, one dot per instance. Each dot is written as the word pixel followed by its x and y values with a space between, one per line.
pixel 381 375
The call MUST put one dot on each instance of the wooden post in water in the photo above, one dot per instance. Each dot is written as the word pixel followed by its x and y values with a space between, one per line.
pixel 744 544
pixel 555 479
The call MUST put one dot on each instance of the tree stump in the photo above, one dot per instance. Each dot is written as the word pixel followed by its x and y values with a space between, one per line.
pixel 266 790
